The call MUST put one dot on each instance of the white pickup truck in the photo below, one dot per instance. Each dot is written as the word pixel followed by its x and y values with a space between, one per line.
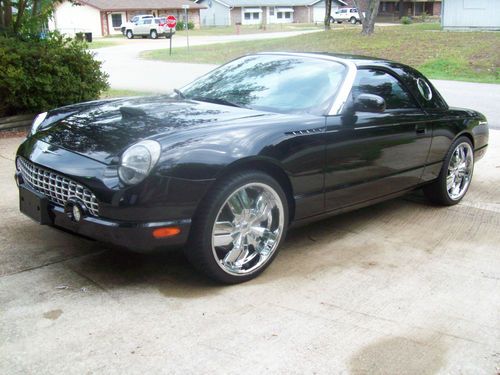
pixel 134 21
pixel 346 15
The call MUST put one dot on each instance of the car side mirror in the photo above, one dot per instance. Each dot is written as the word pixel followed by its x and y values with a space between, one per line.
pixel 369 103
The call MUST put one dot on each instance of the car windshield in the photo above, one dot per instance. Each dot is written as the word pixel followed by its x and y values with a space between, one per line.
pixel 275 83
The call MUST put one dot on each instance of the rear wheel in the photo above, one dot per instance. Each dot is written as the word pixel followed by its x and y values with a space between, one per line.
pixel 353 20
pixel 153 34
pixel 239 227
pixel 455 176
pixel 130 34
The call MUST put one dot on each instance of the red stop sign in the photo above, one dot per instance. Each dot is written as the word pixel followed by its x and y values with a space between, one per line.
pixel 171 22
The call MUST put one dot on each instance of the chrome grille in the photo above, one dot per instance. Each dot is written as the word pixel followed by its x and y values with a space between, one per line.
pixel 56 188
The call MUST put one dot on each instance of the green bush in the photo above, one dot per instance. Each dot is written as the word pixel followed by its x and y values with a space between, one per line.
pixel 181 26
pixel 406 20
pixel 40 74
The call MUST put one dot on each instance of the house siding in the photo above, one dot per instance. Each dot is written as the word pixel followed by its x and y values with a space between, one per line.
pixel 236 15
pixel 302 14
pixel 215 15
pixel 462 14
pixel 70 19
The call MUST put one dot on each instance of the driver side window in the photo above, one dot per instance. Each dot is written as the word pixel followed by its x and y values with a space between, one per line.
pixel 377 82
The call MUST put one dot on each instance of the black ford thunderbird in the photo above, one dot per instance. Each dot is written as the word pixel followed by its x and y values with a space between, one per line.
pixel 228 163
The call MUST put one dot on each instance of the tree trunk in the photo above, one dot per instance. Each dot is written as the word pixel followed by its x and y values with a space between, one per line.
pixel 7 14
pixel 21 6
pixel 328 13
pixel 1 15
pixel 368 17
pixel 36 8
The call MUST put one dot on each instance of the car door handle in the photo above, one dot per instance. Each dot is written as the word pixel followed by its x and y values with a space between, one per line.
pixel 420 129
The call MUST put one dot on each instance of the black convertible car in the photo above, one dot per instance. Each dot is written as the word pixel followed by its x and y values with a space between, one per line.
pixel 226 164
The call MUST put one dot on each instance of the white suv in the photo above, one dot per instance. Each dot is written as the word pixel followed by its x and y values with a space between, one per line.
pixel 346 15
pixel 152 27
pixel 134 21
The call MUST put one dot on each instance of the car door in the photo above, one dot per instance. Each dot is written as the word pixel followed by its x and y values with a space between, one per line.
pixel 143 27
pixel 374 154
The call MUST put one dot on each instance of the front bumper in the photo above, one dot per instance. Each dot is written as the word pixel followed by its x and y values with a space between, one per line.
pixel 135 236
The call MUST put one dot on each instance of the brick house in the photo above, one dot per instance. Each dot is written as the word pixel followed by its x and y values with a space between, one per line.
pixel 258 12
pixel 409 7
pixel 104 17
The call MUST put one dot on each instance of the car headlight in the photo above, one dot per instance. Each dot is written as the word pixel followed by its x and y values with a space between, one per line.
pixel 138 160
pixel 37 122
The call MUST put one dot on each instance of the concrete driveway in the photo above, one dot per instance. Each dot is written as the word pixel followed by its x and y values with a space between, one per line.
pixel 399 288
pixel 127 71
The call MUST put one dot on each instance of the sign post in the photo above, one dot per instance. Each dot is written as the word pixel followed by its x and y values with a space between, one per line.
pixel 186 18
pixel 171 24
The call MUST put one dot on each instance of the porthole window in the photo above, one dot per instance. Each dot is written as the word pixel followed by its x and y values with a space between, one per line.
pixel 424 89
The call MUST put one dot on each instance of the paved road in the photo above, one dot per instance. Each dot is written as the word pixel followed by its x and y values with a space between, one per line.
pixel 128 71
pixel 399 288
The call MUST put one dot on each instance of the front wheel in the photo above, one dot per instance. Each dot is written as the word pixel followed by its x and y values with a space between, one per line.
pixel 239 227
pixel 353 20
pixel 153 34
pixel 130 34
pixel 455 176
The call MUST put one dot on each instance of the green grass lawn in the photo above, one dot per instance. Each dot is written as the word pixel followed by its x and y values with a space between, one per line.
pixel 465 56
pixel 105 42
pixel 249 29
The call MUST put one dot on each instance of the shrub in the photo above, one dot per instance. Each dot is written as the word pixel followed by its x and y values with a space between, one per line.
pixel 181 26
pixel 40 74
pixel 406 20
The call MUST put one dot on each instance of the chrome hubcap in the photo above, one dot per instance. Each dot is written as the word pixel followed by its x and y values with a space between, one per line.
pixel 248 229
pixel 460 171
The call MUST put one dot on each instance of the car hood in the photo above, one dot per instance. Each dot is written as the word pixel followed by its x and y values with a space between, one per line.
pixel 102 130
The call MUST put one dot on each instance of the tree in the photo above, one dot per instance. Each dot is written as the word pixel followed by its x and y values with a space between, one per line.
pixel 328 14
pixel 30 16
pixel 367 15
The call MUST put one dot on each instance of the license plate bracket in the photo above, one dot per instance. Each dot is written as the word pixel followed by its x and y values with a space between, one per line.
pixel 34 205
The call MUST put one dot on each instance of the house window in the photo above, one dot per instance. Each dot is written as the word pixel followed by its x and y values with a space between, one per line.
pixel 285 15
pixel 116 20
pixel 251 14
pixel 271 11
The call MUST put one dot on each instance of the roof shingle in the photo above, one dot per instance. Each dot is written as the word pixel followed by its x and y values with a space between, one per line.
pixel 140 4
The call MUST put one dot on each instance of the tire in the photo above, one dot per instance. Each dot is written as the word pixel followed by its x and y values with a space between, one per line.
pixel 448 190
pixel 353 20
pixel 130 34
pixel 241 246
pixel 339 21
pixel 153 34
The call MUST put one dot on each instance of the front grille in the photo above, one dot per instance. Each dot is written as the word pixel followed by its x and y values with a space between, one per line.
pixel 56 188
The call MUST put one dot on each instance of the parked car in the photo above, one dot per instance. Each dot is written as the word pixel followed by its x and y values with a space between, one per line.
pixel 130 24
pixel 346 15
pixel 227 164
pixel 152 27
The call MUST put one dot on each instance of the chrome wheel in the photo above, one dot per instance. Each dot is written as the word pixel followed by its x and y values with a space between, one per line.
pixel 460 170
pixel 248 229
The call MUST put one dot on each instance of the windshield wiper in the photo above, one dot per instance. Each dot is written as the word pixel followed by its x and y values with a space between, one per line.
pixel 179 93
pixel 215 100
